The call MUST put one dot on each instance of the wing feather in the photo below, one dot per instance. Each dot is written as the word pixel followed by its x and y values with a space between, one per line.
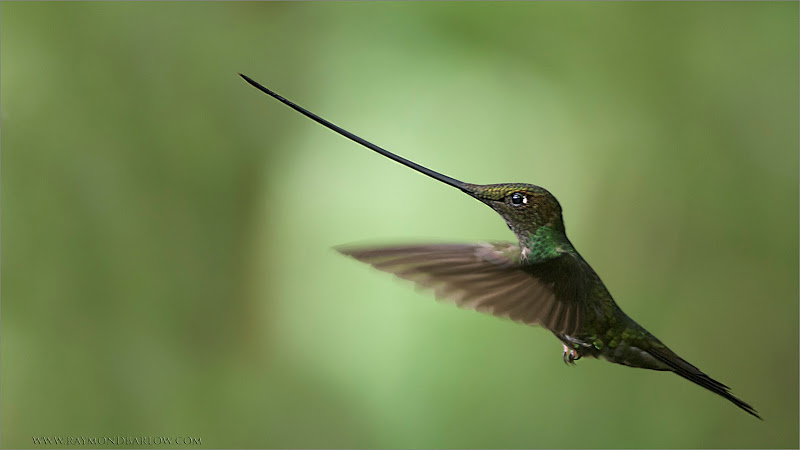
pixel 485 277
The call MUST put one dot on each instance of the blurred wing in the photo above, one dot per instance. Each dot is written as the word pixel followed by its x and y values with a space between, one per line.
pixel 484 277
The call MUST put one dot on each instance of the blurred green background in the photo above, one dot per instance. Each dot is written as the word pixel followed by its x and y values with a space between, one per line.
pixel 167 229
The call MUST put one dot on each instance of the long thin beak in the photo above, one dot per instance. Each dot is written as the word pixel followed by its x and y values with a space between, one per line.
pixel 467 188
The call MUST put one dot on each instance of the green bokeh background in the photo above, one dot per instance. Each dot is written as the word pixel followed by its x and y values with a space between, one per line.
pixel 167 230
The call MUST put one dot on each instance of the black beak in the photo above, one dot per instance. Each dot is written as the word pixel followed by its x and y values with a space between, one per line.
pixel 467 188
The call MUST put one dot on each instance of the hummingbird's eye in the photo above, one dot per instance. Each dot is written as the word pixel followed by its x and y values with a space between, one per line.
pixel 518 199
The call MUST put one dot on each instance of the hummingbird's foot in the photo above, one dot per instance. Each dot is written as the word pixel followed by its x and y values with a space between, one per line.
pixel 570 355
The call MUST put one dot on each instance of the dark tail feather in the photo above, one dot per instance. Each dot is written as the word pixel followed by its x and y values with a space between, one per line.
pixel 694 375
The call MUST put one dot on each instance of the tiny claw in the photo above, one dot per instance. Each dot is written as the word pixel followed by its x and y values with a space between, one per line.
pixel 570 355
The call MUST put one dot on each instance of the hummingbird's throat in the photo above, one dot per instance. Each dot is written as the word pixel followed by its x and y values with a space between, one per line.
pixel 547 242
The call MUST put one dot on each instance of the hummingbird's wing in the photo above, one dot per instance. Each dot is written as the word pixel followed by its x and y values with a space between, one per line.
pixel 484 277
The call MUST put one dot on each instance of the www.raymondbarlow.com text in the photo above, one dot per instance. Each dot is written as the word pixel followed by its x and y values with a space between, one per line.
pixel 116 440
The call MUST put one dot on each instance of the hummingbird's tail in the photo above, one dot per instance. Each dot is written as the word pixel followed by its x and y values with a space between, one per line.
pixel 695 375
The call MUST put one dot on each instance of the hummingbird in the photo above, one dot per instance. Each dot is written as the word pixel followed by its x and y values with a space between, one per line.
pixel 539 280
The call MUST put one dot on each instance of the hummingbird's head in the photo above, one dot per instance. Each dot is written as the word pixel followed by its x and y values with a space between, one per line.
pixel 525 207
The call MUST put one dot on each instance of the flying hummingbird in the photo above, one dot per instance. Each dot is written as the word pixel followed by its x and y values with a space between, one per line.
pixel 541 280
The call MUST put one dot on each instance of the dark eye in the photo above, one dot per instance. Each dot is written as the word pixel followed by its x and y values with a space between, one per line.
pixel 518 199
